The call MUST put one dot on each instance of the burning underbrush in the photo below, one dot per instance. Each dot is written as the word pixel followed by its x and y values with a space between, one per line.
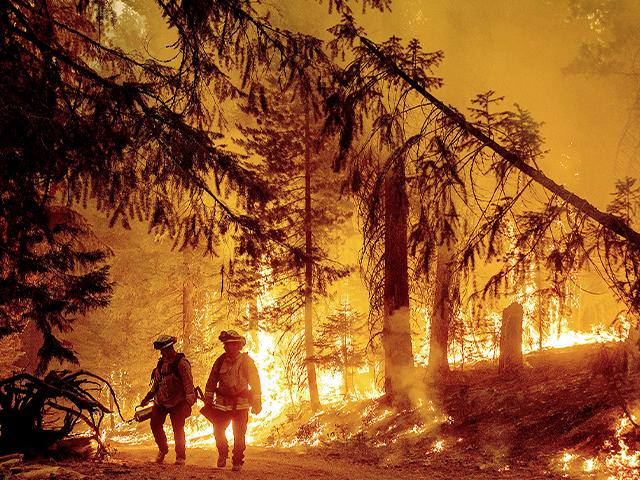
pixel 566 413
pixel 365 423
pixel 571 413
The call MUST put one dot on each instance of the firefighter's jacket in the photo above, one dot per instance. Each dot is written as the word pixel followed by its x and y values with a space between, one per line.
pixel 172 382
pixel 235 383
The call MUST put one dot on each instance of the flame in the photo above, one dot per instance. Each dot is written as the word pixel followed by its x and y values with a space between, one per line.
pixel 199 432
pixel 619 463
pixel 567 459
pixel 474 348
pixel 278 395
pixel 330 386
pixel 545 325
pixel 438 446
pixel 590 465
pixel 623 463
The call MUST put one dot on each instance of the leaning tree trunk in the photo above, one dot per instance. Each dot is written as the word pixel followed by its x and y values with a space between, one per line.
pixel 605 219
pixel 314 397
pixel 441 315
pixel 511 339
pixel 396 332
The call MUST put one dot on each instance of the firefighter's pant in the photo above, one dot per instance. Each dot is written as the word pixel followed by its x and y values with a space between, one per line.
pixel 238 420
pixel 178 415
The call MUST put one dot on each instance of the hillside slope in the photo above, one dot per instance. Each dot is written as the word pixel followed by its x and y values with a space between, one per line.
pixel 564 412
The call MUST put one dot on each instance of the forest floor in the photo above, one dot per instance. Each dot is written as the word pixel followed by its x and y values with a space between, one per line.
pixel 559 418
pixel 563 415
pixel 278 464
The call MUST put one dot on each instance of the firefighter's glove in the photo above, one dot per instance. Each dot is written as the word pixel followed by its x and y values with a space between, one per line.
pixel 191 399
pixel 145 401
pixel 256 408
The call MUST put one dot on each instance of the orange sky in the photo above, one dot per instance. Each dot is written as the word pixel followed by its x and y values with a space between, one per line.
pixel 517 48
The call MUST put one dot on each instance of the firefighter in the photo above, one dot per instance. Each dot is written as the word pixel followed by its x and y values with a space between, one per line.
pixel 235 383
pixel 173 394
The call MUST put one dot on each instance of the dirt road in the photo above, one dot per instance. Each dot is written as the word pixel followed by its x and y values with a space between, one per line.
pixel 271 464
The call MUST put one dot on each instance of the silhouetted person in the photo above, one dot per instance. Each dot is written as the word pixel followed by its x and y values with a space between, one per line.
pixel 173 394
pixel 235 382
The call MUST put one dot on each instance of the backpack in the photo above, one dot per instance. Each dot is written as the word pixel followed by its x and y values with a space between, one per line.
pixel 173 367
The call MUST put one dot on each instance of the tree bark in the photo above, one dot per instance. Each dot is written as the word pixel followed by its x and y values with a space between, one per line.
pixel 539 310
pixel 441 315
pixel 511 339
pixel 314 397
pixel 396 332
pixel 607 220
pixel 188 315
pixel 631 347
pixel 31 340
pixel 254 324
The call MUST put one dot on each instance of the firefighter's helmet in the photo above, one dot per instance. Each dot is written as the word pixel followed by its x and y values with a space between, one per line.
pixel 227 336
pixel 164 341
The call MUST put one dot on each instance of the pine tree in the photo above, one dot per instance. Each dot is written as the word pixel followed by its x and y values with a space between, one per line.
pixel 82 119
pixel 53 270
pixel 366 98
pixel 469 177
pixel 340 343
pixel 307 211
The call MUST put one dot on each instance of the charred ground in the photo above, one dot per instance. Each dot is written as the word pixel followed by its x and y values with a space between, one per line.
pixel 545 422
pixel 565 401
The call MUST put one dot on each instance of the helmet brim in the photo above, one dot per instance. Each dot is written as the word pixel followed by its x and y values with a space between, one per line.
pixel 163 345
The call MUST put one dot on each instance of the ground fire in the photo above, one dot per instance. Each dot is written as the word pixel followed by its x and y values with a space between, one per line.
pixel 345 239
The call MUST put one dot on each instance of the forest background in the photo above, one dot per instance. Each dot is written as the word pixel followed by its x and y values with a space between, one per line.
pixel 532 53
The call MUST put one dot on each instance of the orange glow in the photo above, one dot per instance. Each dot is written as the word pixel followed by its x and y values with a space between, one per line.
pixel 471 347
pixel 617 462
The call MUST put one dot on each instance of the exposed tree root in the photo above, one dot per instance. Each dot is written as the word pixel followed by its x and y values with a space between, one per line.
pixel 36 413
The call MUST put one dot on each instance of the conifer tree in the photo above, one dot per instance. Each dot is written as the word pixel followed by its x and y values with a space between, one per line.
pixel 307 211
pixel 340 343
pixel 84 120
pixel 455 162
pixel 379 169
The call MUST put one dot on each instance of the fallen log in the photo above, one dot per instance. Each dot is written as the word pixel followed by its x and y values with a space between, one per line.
pixel 42 472
pixel 11 456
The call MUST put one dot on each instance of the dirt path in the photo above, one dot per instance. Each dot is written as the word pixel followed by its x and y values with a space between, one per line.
pixel 271 464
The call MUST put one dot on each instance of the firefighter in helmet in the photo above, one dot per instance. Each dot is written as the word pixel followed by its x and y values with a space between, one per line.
pixel 232 389
pixel 173 394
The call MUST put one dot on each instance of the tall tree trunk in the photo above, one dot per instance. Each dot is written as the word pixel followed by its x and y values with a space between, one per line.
pixel 396 332
pixel 540 309
pixel 254 324
pixel 441 315
pixel 187 301
pixel 308 273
